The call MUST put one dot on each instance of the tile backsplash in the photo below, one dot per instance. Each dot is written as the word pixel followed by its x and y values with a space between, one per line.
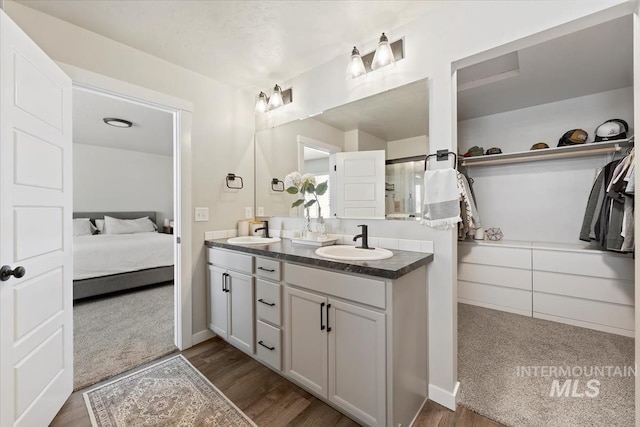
pixel 425 246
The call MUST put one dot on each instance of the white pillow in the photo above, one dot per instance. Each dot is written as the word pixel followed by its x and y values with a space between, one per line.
pixel 128 226
pixel 82 227
pixel 100 225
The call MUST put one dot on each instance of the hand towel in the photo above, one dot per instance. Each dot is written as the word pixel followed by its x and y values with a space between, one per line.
pixel 441 199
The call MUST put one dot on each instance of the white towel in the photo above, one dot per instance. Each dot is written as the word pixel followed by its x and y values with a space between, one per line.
pixel 441 198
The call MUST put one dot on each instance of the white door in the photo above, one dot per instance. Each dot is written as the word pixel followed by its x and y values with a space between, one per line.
pixel 357 373
pixel 360 184
pixel 36 310
pixel 218 305
pixel 306 341
pixel 241 320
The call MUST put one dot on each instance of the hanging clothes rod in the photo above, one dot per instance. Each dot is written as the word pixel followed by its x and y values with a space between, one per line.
pixel 541 157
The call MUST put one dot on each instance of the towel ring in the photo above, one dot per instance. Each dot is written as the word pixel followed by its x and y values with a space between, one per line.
pixel 275 185
pixel 232 177
pixel 440 156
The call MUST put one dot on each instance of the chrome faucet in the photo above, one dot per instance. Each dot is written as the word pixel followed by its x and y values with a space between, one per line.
pixel 264 227
pixel 365 237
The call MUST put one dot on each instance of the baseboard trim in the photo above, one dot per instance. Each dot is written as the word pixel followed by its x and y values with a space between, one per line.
pixel 202 336
pixel 426 399
pixel 443 397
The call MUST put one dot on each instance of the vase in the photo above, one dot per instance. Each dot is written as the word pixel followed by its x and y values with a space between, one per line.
pixel 307 224
pixel 321 227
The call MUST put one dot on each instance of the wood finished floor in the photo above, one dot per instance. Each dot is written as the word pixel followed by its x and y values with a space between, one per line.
pixel 269 399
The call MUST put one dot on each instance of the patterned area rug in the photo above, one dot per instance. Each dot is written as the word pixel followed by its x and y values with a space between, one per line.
pixel 169 393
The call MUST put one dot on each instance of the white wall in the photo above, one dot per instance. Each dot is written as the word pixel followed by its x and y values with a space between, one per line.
pixel 434 44
pixel 113 180
pixel 359 140
pixel 222 122
pixel 540 201
pixel 408 147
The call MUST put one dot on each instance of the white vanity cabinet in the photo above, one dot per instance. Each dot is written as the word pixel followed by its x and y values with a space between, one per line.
pixel 357 341
pixel 231 294
pixel 343 341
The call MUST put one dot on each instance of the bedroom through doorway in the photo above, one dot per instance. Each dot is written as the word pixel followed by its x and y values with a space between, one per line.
pixel 124 248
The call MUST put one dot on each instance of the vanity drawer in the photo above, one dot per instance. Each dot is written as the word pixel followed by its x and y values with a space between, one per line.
pixel 268 269
pixel 269 348
pixel 268 301
pixel 354 288
pixel 232 260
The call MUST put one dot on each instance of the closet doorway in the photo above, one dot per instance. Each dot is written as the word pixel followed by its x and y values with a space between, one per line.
pixel 546 321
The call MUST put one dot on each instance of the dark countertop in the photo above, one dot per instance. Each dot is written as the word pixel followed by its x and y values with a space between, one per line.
pixel 395 267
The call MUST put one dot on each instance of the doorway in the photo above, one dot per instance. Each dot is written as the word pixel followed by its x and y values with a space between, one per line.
pixel 123 244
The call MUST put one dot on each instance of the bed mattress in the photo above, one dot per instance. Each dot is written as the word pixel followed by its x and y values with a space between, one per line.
pixel 107 254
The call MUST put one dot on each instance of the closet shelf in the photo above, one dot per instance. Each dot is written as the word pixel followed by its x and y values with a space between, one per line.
pixel 588 149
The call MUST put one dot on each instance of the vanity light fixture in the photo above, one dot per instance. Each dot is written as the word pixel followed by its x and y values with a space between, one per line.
pixel 357 66
pixel 277 99
pixel 119 123
pixel 386 54
pixel 262 103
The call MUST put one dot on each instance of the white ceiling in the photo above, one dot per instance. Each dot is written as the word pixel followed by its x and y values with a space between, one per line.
pixel 593 60
pixel 248 44
pixel 395 114
pixel 152 130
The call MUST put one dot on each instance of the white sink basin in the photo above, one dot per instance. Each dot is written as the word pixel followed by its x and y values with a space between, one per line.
pixel 253 240
pixel 351 253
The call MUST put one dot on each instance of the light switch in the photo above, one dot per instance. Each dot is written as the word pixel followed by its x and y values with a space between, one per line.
pixel 201 214
pixel 260 211
pixel 248 212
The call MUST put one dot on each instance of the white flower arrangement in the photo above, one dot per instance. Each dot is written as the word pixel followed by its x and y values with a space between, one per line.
pixel 295 183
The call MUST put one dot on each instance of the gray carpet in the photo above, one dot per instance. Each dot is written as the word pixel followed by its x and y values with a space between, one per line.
pixel 117 333
pixel 493 344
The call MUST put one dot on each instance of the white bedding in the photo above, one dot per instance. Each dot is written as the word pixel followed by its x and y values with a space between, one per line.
pixel 106 254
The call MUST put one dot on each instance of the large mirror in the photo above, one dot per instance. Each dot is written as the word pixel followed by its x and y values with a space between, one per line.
pixel 371 152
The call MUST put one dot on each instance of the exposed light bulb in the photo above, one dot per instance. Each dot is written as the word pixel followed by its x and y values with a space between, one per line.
pixel 276 98
pixel 356 67
pixel 384 54
pixel 261 104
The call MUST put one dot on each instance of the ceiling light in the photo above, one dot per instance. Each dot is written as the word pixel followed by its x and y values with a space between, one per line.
pixel 384 55
pixel 119 123
pixel 276 98
pixel 357 66
pixel 261 104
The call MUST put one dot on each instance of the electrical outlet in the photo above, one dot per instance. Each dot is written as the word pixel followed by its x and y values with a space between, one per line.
pixel 201 214
pixel 248 212
pixel 260 211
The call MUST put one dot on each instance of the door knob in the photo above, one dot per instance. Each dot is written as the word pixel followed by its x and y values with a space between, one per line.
pixel 6 272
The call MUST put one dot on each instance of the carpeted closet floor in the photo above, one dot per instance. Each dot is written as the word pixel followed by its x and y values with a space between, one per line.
pixel 494 346
pixel 115 333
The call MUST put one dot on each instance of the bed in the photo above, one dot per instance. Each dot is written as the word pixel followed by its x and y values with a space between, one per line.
pixel 105 263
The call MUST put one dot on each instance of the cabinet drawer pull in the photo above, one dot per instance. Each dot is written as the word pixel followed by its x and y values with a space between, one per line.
pixel 266 346
pixel 270 270
pixel 270 304
pixel 321 324
pixel 328 327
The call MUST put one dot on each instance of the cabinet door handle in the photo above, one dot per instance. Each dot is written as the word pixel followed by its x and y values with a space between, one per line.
pixel 328 327
pixel 224 282
pixel 270 304
pixel 270 270
pixel 321 323
pixel 266 346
